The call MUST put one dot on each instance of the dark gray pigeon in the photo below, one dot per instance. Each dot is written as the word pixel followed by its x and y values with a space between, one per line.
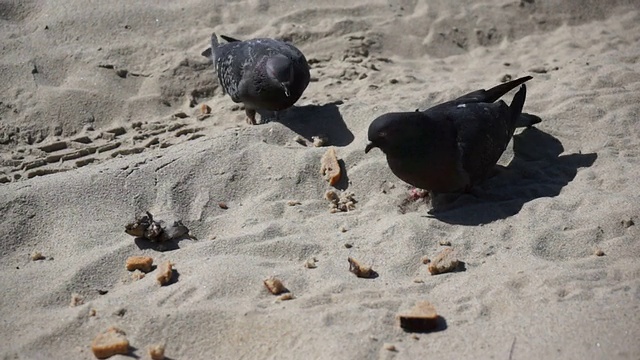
pixel 263 74
pixel 451 146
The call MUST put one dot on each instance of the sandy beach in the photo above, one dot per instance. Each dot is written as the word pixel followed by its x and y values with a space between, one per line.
pixel 101 120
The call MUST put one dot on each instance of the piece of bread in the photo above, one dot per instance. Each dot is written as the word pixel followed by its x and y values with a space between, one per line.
pixel 109 343
pixel 142 263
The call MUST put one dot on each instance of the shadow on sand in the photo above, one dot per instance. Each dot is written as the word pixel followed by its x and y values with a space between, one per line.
pixel 313 120
pixel 537 170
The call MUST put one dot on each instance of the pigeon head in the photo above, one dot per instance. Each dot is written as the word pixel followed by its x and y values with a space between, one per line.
pixel 280 69
pixel 393 131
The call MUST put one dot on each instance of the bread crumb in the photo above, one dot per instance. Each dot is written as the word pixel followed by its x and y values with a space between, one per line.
pixel 76 300
pixel 293 202
pixel 598 252
pixel 165 273
pixel 361 271
pixel 445 261
pixel 109 343
pixel 343 201
pixel 342 229
pixel 425 260
pixel 142 263
pixel 311 263
pixel 37 255
pixel 329 166
pixel 421 318
pixel 137 275
pixel 275 286
pixel 389 347
pixel 445 243
pixel 223 205
pixel 92 312
pixel 156 352
pixel 319 140
pixel 286 296
pixel 205 109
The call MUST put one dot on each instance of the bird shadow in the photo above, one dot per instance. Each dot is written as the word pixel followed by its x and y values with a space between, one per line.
pixel 537 170
pixel 343 183
pixel 314 120
pixel 169 245
pixel 419 326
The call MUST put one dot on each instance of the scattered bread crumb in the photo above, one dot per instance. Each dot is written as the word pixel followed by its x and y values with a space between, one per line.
pixel 37 255
pixel 92 312
pixel 165 273
pixel 137 275
pixel 445 261
pixel 286 296
pixel 343 201
pixel 390 347
pixel 320 140
pixel 598 252
pixel 156 352
pixel 76 300
pixel 275 286
pixel 329 166
pixel 311 263
pixel 361 271
pixel 425 260
pixel 142 263
pixel 109 343
pixel 421 318
pixel 205 109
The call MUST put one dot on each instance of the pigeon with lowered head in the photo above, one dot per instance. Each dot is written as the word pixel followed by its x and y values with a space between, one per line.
pixel 452 146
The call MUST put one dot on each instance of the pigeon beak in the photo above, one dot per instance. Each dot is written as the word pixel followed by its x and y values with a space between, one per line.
pixel 369 147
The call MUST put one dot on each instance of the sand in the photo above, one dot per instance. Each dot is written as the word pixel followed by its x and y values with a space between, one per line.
pixel 98 124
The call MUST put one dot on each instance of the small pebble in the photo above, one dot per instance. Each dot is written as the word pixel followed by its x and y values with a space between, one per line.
pixel 390 347
pixel 76 300
pixel 628 223
pixel 37 255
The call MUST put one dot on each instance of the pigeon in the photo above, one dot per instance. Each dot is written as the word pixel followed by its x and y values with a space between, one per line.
pixel 263 74
pixel 452 146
